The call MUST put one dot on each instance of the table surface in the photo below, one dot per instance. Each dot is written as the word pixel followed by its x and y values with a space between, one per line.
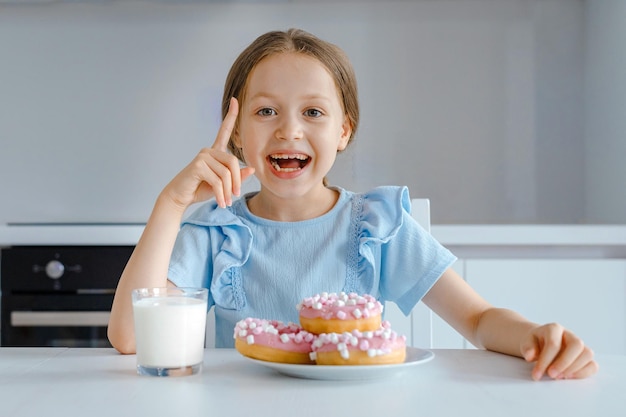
pixel 101 382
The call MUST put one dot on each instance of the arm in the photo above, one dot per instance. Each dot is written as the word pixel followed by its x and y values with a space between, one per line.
pixel 555 350
pixel 146 268
pixel 212 173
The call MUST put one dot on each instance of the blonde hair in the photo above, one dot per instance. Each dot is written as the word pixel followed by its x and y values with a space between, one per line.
pixel 297 41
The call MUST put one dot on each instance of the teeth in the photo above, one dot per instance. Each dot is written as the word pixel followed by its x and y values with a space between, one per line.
pixel 289 156
pixel 276 156
pixel 278 168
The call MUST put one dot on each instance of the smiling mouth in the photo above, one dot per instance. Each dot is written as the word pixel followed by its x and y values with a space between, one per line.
pixel 289 162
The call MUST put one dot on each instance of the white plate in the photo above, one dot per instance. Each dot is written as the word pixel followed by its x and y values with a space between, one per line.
pixel 414 356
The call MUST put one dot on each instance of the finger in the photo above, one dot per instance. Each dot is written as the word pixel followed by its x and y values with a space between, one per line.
pixel 585 357
pixel 229 173
pixel 571 350
pixel 589 369
pixel 529 349
pixel 220 181
pixel 244 173
pixel 219 176
pixel 550 345
pixel 232 182
pixel 227 126
pixel 237 180
pixel 206 183
pixel 214 169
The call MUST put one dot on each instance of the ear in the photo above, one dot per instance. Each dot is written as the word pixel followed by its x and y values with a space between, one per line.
pixel 346 132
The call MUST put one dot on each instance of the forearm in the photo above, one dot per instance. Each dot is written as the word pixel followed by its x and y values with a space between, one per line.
pixel 501 330
pixel 147 267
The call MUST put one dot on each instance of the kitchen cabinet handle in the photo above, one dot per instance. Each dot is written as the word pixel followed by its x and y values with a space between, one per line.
pixel 59 318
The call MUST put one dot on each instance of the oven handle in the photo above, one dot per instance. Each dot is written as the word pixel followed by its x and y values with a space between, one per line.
pixel 59 318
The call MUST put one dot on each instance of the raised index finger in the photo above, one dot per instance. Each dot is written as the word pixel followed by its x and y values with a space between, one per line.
pixel 228 124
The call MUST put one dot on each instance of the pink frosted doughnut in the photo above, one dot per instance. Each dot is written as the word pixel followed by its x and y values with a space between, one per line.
pixel 383 346
pixel 338 313
pixel 273 341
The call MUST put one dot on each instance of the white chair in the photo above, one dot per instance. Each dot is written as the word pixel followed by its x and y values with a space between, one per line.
pixel 417 326
pixel 209 337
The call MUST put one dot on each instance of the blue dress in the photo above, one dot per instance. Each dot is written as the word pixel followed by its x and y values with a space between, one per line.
pixel 368 243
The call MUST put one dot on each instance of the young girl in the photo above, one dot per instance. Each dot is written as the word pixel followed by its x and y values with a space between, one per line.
pixel 289 106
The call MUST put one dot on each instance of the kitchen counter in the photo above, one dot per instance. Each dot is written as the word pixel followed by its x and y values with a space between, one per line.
pixel 57 235
pixel 452 235
pixel 531 234
pixel 101 382
pixel 534 241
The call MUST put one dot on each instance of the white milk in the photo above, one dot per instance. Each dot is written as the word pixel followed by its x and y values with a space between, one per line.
pixel 169 331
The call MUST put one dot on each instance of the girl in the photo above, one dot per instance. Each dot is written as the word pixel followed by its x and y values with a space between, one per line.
pixel 289 106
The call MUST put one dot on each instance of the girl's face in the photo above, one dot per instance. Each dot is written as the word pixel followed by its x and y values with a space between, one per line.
pixel 291 124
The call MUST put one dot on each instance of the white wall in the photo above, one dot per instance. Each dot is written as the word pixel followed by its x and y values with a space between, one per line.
pixel 605 111
pixel 476 104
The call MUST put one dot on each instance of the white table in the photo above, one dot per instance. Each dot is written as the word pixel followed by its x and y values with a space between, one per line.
pixel 100 382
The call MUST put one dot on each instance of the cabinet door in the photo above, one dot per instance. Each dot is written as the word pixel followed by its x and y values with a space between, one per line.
pixel 587 296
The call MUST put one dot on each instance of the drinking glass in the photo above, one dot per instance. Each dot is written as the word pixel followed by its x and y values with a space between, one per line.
pixel 169 330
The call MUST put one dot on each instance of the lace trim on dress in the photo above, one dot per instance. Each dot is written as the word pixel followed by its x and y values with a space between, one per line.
pixel 379 220
pixel 237 285
pixel 352 260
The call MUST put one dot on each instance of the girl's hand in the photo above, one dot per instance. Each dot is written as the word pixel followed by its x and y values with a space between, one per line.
pixel 213 172
pixel 557 352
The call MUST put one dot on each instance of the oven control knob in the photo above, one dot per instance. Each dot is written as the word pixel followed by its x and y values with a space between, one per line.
pixel 55 269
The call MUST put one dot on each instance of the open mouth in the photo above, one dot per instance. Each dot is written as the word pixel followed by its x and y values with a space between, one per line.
pixel 288 162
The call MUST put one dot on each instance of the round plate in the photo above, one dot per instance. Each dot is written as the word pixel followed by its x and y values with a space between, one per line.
pixel 414 356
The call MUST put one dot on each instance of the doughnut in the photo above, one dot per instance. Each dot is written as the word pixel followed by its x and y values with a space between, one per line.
pixel 380 347
pixel 339 313
pixel 273 341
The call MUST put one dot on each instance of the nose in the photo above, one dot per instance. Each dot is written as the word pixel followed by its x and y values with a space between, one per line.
pixel 289 127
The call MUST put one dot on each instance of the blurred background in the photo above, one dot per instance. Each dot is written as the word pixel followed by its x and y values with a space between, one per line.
pixel 499 111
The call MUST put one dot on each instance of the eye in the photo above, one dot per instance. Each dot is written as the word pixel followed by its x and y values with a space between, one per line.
pixel 313 113
pixel 266 111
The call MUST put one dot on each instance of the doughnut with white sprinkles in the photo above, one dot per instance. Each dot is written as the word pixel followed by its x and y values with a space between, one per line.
pixel 273 341
pixel 383 346
pixel 337 313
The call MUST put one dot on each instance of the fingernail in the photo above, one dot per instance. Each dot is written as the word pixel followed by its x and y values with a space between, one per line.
pixel 554 374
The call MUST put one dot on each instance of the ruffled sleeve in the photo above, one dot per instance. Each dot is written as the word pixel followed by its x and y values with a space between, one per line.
pixel 382 212
pixel 211 245
pixel 376 217
pixel 398 259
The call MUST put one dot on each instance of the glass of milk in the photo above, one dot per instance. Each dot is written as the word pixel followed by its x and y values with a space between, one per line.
pixel 169 330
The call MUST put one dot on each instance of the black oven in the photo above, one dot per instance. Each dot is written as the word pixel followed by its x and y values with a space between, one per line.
pixel 58 295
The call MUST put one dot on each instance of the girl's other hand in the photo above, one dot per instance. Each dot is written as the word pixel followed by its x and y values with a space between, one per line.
pixel 558 353
pixel 214 172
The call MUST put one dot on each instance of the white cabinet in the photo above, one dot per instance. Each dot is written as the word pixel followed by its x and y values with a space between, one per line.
pixel 587 296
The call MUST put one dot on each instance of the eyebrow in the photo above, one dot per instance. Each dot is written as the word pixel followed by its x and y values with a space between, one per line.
pixel 306 97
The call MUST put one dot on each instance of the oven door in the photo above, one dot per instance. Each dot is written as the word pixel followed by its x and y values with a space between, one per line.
pixel 68 320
